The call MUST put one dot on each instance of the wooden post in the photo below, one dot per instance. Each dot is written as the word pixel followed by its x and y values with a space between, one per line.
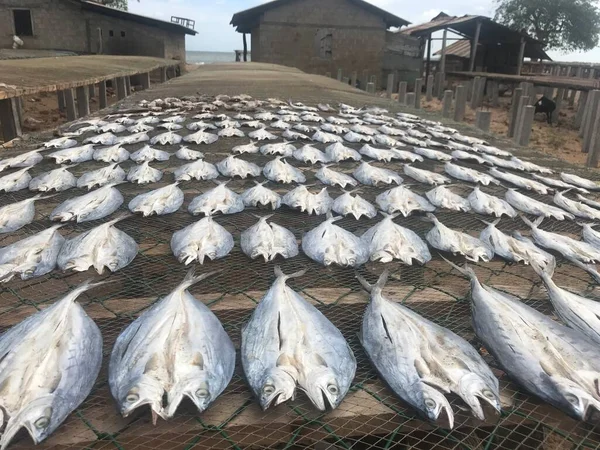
pixel 122 88
pixel 346 80
pixel 102 100
pixel 365 79
pixel 461 103
pixel 480 92
pixel 390 85
pixel 428 61
pixel 592 74
pixel 61 100
pixel 483 119
pixel 521 56
pixel 10 118
pixel 526 125
pixel 353 78
pixel 70 105
pixel 580 109
pixel 429 88
pixel 418 89
pixel 447 104
pixel 442 66
pixel 590 118
pixel 410 99
pixel 83 101
pixel 163 75
pixel 474 45
pixel 339 75
pixel 495 93
pixel 402 92
pixel 468 89
pixel 145 80
pixel 514 110
pixel 371 88
pixel 594 153
pixel 437 84
pixel 128 86
pixel 475 92
pixel 523 103
pixel 92 90
pixel 558 101
pixel 245 44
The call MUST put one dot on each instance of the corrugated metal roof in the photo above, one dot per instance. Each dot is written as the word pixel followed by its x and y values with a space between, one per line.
pixel 461 49
pixel 244 20
pixel 439 24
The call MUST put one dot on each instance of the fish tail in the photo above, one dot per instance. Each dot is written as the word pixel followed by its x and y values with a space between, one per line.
pixel 259 183
pixel 85 286
pixel 530 224
pixel 430 218
pixel 491 224
pixel 279 274
pixel 43 197
pixel 191 279
pixel 119 218
pixel 544 272
pixel 466 270
pixel 381 281
pixel 268 216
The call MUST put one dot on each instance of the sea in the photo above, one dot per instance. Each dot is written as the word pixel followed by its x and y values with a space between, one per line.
pixel 198 57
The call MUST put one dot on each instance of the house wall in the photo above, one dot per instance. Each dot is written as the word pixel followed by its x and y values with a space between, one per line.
pixel 62 25
pixel 301 33
pixel 403 56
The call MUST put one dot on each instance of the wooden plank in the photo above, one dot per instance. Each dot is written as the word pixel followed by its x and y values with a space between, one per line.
pixel 10 119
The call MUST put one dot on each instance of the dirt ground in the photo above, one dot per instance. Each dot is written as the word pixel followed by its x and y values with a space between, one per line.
pixel 561 141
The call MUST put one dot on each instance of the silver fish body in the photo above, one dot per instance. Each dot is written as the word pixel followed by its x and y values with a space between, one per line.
pixel 234 167
pixel 16 215
pixel 144 174
pixel 231 132
pixel 552 182
pixel 268 240
pixel 522 182
pixel 260 195
pixel 61 142
pixel 387 241
pixel 31 257
pixel 483 203
pixel 530 167
pixel 337 152
pixel 200 240
pixel 357 206
pixel 175 349
pixel 309 154
pixel 101 177
pixel 553 362
pixel 306 201
pixel 307 351
pixel 66 346
pixel 425 176
pixel 104 246
pixel 422 361
pixel 103 139
pixel 590 235
pixel 58 179
pixel 27 159
pixel 326 138
pixel 455 242
pixel 91 206
pixel 379 154
pixel 198 170
pixel 172 138
pixel 332 177
pixel 576 208
pixel 329 244
pixel 403 200
pixel 165 200
pixel 442 197
pixel 432 154
pixel 470 175
pixel 466 156
pixel 279 170
pixel 370 175
pixel 15 181
pixel 580 181
pixel 149 154
pixel 73 154
pixel 261 135
pixel 405 155
pixel 251 148
pixel 113 154
pixel 588 201
pixel 132 139
pixel 284 149
pixel 188 154
pixel 529 205
pixel 219 199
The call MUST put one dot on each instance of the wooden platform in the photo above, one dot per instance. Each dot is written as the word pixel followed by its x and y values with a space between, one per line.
pixel 579 84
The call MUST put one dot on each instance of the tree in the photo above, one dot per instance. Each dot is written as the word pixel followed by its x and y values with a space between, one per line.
pixel 567 25
pixel 119 4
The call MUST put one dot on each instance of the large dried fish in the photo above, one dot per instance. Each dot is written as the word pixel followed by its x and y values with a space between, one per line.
pixel 73 154
pixel 574 207
pixel 234 167
pixel 281 171
pixel 525 183
pixel 268 240
pixel 198 170
pixel 91 206
pixel 337 152
pixel 16 215
pixel 332 177
pixel 403 200
pixel 200 240
pixel 260 195
pixel 306 201
pixel 100 177
pixel 347 204
pixel 455 242
pixel 529 205
pixel 442 197
pixel 15 181
pixel 483 203
pixel 219 199
pixel 470 175
pixel 58 179
pixel 425 176
pixel 144 174
pixel 115 153
pixel 165 200
pixel 370 175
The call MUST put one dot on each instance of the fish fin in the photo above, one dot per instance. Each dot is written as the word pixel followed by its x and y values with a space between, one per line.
pixel 421 368
pixel 198 360
pixel 190 279
pixel 365 284
pixel 280 274
pixel 152 364
pixel 284 361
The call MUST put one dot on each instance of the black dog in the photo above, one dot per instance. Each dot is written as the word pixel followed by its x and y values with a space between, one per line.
pixel 546 106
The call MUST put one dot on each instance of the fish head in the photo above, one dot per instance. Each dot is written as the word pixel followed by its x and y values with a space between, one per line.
pixel 473 389
pixel 323 389
pixel 277 387
pixel 197 389
pixel 577 401
pixel 189 253
pixel 432 403
pixel 145 390
pixel 40 418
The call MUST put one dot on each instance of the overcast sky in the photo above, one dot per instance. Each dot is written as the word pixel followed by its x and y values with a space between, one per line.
pixel 215 34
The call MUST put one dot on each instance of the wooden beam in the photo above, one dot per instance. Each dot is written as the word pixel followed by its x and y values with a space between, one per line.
pixel 428 61
pixel 245 47
pixel 10 118
pixel 443 57
pixel 474 45
pixel 521 56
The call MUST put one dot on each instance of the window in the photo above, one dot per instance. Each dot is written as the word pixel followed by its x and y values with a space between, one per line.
pixel 111 33
pixel 23 24
pixel 122 34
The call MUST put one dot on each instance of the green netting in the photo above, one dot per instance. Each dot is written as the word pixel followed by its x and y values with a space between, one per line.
pixel 370 416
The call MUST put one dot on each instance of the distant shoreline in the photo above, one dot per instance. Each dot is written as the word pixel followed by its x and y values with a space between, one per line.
pixel 198 57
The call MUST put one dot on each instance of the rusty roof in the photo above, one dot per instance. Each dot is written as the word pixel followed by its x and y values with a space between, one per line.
pixel 245 20
pixel 462 49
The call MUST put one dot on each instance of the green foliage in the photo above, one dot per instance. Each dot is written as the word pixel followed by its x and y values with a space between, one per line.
pixel 567 25
pixel 119 4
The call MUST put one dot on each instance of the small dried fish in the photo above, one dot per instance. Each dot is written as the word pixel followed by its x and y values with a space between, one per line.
pixel 261 134
pixel 234 167
pixel 442 197
pixel 144 174
pixel 91 206
pixel 580 181
pixel 455 242
pixel 326 138
pixel 529 205
pixel 16 215
pixel 199 170
pixel 115 153
pixel 62 143
pixel 521 182
pixel 470 175
pixel 280 171
pixel 306 201
pixel 58 179
pixel 148 154
pixel 403 200
pixel 552 182
pixel 378 154
pixel 574 207
pixel 188 154
pixel 73 154
pixel 200 240
pixel 284 149
pixel 432 154
pixel 247 148
pixel 268 240
pixel 370 175
pixel 332 177
pixel 309 154
pixel 15 181
pixel 165 200
pixel 100 177
pixel 132 139
pixel 260 195
pixel 587 201
pixel 28 159
pixel 483 203
pixel 219 199
pixel 425 176
pixel 102 139
pixel 337 152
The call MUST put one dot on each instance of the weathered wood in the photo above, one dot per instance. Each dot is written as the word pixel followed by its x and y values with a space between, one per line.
pixel 163 75
pixel 461 103
pixel 402 92
pixel 474 45
pixel 353 78
pixel 371 88
pixel 328 74
pixel 121 88
pixel 346 80
pixel 364 80
pixel 590 119
pixel 494 93
pixel 523 102
pixel 442 66
pixel 245 47
pixel 447 104
pixel 70 104
pixel 483 119
pixel 390 85
pixel 581 84
pixel 10 119
pixel 559 102
pixel 102 98
pixel 145 80
pixel 594 144
pixel 61 100
pixel 91 90
pixel 418 91
pixel 429 88
pixel 514 111
pixel 128 86
pixel 521 56
pixel 83 101
pixel 437 84
pixel 526 125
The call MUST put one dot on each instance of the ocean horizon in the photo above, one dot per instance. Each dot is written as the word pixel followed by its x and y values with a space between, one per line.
pixel 202 57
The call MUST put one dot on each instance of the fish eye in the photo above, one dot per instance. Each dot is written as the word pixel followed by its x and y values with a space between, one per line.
pixel 333 389
pixel 430 403
pixel 202 393
pixel 42 422
pixel 572 399
pixel 268 389
pixel 489 394
pixel 132 397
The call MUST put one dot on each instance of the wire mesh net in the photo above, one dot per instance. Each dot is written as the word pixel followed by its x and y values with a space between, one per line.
pixel 370 416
